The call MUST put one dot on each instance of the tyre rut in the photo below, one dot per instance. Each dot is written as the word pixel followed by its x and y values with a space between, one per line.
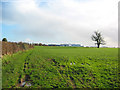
pixel 24 78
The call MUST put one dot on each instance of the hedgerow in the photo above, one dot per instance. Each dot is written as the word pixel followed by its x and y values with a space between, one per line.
pixel 13 47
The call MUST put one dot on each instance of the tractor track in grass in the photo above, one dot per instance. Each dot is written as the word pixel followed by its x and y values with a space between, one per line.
pixel 23 78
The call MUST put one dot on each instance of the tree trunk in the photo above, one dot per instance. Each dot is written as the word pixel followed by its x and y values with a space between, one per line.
pixel 98 45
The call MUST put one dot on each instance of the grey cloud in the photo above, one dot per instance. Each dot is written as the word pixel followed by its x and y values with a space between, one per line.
pixel 62 21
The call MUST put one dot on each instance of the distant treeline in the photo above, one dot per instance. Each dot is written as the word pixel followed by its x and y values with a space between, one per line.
pixel 39 44
pixel 13 47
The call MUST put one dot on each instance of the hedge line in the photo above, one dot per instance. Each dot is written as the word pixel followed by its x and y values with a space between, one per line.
pixel 13 47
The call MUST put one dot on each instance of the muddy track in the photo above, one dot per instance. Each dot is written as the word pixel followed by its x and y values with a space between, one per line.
pixel 23 78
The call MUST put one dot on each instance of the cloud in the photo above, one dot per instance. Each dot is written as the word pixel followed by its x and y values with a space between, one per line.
pixel 64 21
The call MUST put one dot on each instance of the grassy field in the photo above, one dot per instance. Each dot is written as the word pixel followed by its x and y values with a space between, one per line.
pixel 61 67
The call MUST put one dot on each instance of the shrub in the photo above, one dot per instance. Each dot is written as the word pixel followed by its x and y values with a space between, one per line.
pixel 4 39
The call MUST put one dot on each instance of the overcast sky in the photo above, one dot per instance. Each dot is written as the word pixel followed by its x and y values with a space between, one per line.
pixel 60 21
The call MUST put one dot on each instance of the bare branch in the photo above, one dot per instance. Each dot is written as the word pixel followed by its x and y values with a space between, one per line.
pixel 98 38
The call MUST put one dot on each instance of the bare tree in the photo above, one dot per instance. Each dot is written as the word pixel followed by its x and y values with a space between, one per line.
pixel 98 38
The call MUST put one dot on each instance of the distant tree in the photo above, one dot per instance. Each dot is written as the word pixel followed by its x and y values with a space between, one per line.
pixel 4 39
pixel 98 38
pixel 40 44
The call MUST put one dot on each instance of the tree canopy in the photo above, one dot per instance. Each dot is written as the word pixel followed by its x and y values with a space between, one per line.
pixel 98 38
pixel 4 39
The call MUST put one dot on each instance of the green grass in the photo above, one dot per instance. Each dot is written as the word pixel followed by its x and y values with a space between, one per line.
pixel 50 67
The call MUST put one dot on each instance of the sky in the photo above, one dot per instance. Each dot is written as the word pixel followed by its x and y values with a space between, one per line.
pixel 59 21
